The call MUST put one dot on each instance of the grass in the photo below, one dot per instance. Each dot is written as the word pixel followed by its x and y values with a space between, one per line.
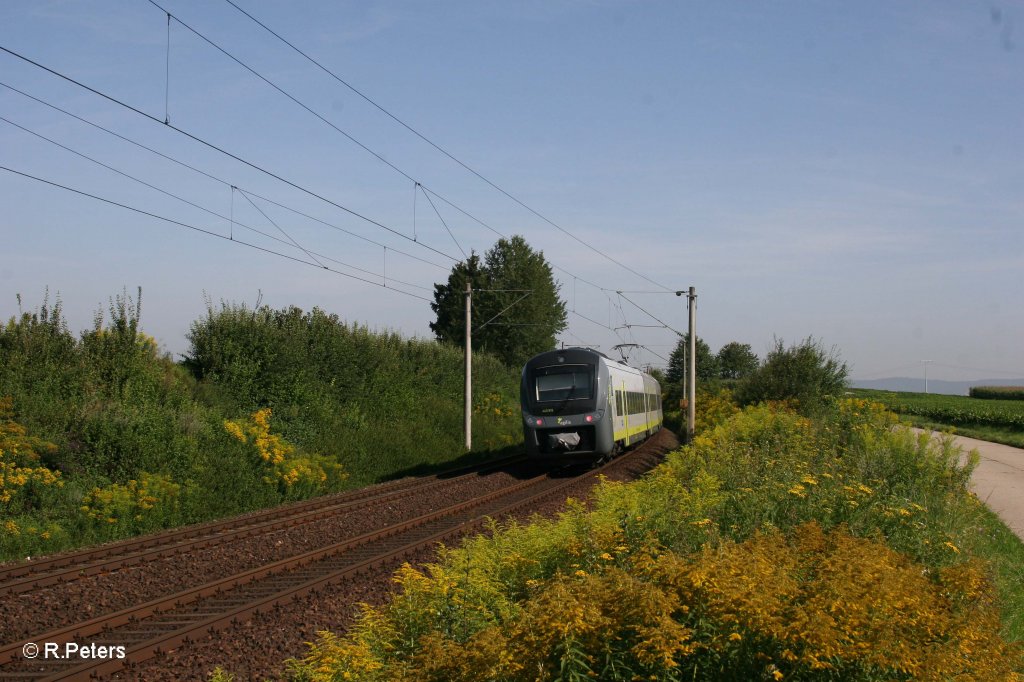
pixel 998 421
pixel 994 542
pixel 1006 435
pixel 991 539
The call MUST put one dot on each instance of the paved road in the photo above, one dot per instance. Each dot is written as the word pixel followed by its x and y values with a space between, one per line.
pixel 999 480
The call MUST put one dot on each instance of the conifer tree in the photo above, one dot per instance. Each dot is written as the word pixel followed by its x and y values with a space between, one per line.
pixel 512 329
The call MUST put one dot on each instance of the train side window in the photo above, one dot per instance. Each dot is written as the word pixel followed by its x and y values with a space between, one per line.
pixel 618 402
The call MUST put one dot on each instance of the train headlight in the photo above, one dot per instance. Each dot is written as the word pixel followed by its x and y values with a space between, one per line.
pixel 540 422
pixel 589 418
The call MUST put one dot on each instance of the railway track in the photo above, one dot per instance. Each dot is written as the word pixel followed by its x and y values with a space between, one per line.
pixel 29 575
pixel 157 626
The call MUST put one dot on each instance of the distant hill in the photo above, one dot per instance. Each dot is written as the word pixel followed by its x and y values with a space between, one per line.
pixel 916 384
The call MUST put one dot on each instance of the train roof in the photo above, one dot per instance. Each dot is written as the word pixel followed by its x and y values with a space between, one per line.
pixel 577 353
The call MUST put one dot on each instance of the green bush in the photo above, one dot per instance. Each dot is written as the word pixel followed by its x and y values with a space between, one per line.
pixel 116 414
pixel 330 383
pixel 805 372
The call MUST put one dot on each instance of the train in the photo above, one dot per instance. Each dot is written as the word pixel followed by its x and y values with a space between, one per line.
pixel 579 403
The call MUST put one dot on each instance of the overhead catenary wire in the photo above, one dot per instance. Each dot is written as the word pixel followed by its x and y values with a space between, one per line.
pixel 657 355
pixel 426 190
pixel 202 230
pixel 221 150
pixel 213 177
pixel 280 229
pixel 439 217
pixel 167 75
pixel 503 311
pixel 648 313
pixel 438 147
pixel 253 165
pixel 230 218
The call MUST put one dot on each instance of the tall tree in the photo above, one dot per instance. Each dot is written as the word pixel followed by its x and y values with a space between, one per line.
pixel 450 300
pixel 517 311
pixel 707 365
pixel 736 360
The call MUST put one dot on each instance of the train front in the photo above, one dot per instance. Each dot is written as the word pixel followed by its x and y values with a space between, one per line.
pixel 564 403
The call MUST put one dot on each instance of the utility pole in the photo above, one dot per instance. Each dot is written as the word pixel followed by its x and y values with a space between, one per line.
pixel 925 362
pixel 691 408
pixel 468 419
pixel 690 364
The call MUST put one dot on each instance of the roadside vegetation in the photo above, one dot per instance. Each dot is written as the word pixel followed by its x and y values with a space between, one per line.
pixel 789 541
pixel 997 420
pixel 103 436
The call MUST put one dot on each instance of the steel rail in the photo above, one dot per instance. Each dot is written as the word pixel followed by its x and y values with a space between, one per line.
pixel 61 568
pixel 193 626
pixel 10 652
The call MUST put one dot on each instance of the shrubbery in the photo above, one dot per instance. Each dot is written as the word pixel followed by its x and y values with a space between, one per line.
pixel 805 372
pixel 102 436
pixel 776 546
pixel 392 402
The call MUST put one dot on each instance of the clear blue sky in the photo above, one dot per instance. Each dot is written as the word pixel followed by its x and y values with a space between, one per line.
pixel 852 171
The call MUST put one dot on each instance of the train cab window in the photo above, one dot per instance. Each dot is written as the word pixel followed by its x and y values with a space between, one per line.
pixel 618 402
pixel 567 382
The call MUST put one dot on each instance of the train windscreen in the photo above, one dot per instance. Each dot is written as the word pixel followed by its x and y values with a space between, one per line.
pixel 572 382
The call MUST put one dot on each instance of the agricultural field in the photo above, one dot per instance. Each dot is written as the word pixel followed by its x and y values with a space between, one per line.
pixel 998 392
pixel 1000 421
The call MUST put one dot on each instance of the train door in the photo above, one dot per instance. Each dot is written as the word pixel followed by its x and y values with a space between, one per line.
pixel 621 423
